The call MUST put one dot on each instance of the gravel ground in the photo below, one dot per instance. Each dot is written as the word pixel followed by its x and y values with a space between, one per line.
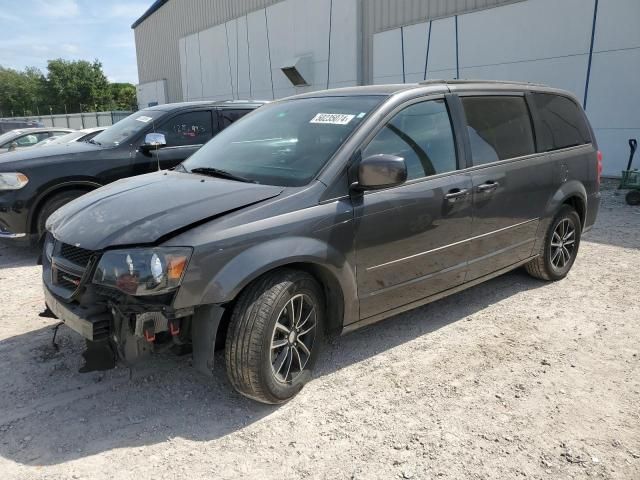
pixel 513 378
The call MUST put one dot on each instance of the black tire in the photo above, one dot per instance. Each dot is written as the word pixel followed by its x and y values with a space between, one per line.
pixel 252 332
pixel 547 265
pixel 633 197
pixel 51 205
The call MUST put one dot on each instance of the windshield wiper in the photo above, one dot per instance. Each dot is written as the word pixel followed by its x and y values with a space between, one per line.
pixel 94 142
pixel 215 172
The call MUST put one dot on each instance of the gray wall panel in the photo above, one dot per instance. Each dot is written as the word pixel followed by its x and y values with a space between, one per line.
pixel 613 102
pixel 388 63
pixel 415 51
pixel 380 15
pixel 255 47
pixel 157 37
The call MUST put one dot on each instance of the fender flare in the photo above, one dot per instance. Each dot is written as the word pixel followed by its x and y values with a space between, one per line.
pixel 68 185
pixel 261 258
pixel 572 188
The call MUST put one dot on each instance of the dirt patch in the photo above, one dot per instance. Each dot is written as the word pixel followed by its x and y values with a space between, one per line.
pixel 514 378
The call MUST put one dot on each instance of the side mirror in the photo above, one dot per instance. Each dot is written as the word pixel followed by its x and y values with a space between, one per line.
pixel 380 171
pixel 13 146
pixel 153 141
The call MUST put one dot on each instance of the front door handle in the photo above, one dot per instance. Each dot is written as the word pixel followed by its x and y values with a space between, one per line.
pixel 488 186
pixel 456 193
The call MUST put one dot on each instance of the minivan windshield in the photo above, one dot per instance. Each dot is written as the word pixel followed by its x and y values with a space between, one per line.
pixel 127 128
pixel 284 143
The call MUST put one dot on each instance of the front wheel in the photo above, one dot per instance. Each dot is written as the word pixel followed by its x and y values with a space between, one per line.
pixel 51 205
pixel 274 336
pixel 560 247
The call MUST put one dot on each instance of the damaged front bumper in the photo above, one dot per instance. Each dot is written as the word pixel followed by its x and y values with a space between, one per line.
pixel 93 324
pixel 127 328
pixel 111 337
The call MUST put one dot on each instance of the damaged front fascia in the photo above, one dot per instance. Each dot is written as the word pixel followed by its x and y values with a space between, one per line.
pixel 205 321
pixel 122 343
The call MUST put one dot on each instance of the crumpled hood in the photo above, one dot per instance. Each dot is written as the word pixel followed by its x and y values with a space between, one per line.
pixel 142 209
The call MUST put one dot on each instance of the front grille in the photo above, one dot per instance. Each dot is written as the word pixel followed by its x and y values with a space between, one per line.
pixel 68 266
pixel 76 255
pixel 67 280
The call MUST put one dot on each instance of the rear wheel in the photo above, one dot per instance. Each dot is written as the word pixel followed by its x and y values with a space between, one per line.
pixel 560 247
pixel 51 205
pixel 274 336
pixel 633 197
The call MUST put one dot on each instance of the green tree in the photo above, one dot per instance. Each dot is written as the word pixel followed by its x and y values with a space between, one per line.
pixel 123 96
pixel 20 92
pixel 77 86
pixel 69 86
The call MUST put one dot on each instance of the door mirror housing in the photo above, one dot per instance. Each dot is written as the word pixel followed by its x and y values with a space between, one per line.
pixel 153 141
pixel 380 171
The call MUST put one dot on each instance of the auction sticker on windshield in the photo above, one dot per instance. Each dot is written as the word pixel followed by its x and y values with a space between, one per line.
pixel 144 119
pixel 332 118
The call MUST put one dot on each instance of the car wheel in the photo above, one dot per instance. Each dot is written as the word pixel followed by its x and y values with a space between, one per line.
pixel 633 197
pixel 560 247
pixel 274 336
pixel 51 205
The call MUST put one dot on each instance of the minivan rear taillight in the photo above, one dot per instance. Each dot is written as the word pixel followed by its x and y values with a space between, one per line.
pixel 599 168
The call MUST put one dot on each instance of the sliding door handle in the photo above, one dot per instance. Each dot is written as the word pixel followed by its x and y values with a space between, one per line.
pixel 456 193
pixel 488 186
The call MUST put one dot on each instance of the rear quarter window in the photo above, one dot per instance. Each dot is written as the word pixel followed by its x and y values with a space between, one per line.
pixel 228 116
pixel 561 123
pixel 499 128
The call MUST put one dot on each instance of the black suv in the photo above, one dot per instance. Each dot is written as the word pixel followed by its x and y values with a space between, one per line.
pixel 322 213
pixel 35 182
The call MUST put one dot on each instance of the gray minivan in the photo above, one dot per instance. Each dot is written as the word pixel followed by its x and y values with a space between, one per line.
pixel 319 214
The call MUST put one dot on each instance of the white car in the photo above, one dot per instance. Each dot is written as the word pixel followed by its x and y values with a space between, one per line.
pixel 28 137
pixel 83 135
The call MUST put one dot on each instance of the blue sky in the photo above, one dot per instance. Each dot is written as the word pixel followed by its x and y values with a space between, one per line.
pixel 34 31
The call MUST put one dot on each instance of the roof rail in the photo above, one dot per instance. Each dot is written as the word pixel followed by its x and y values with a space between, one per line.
pixel 242 101
pixel 466 81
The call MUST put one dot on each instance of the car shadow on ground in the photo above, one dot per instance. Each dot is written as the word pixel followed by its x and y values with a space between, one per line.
pixel 50 414
pixel 14 257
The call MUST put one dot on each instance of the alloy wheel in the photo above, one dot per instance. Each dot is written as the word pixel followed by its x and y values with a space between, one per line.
pixel 293 337
pixel 563 244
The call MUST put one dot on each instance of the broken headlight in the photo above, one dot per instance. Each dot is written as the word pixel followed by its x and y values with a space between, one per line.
pixel 143 271
pixel 13 181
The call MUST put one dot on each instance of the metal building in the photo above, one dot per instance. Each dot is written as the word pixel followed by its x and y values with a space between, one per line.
pixel 263 49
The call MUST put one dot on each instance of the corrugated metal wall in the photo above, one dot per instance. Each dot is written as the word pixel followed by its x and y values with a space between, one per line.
pixel 158 36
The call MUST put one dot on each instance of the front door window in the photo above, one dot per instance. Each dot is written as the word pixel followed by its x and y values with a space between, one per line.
pixel 190 128
pixel 421 134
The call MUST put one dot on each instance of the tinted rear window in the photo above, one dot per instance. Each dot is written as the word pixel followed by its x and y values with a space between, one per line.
pixel 562 123
pixel 228 116
pixel 499 128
